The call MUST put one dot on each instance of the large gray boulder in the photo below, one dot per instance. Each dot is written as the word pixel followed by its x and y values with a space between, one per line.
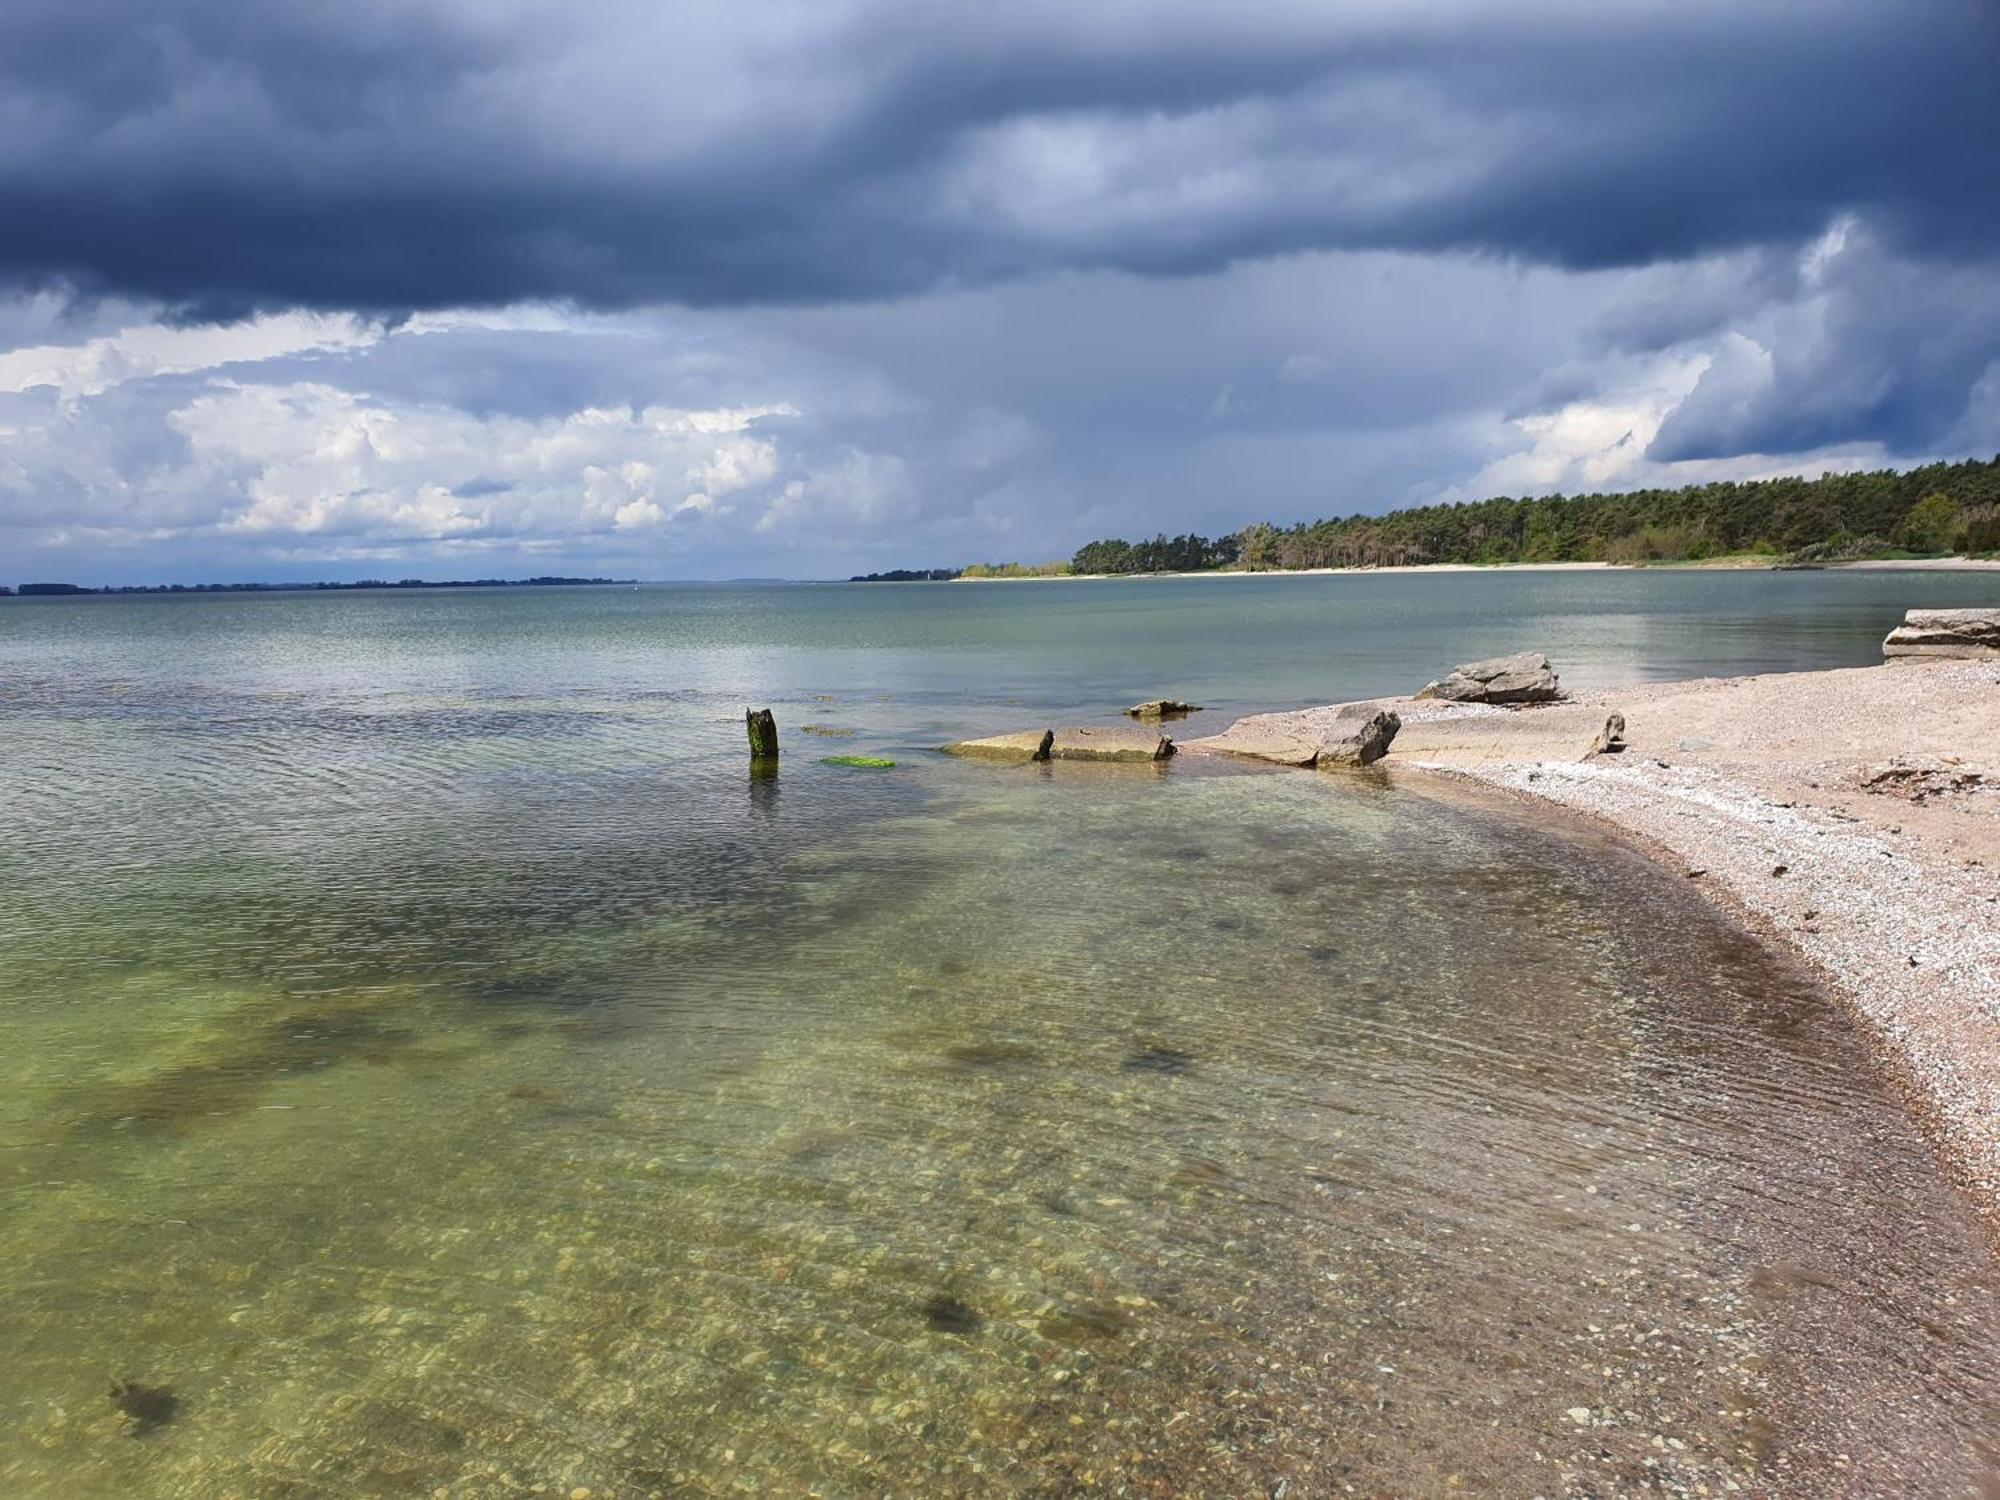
pixel 1368 744
pixel 1524 677
pixel 1971 634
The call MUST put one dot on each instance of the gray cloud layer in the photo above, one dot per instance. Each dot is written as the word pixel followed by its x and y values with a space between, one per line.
pixel 808 288
pixel 227 154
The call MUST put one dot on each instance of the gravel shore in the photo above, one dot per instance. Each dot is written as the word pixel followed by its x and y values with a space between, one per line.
pixel 1853 816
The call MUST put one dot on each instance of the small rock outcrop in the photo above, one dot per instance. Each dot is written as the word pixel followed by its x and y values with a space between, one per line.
pixel 1365 746
pixel 1119 744
pixel 1524 677
pixel 1610 739
pixel 1162 708
pixel 1027 745
pixel 1970 634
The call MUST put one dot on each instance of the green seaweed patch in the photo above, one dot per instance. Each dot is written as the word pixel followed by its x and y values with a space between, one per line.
pixel 861 762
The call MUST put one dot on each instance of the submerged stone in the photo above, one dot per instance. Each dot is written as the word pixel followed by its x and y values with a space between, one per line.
pixel 1163 708
pixel 1089 1323
pixel 1111 744
pixel 147 1407
pixel 989 1054
pixel 946 1314
pixel 1159 1060
pixel 1024 745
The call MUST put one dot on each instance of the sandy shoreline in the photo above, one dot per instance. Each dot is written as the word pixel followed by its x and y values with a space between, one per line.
pixel 1851 816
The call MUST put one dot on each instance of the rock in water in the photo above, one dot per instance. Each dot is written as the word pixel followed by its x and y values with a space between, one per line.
pixel 1092 743
pixel 763 733
pixel 1365 746
pixel 1970 634
pixel 147 1407
pixel 1028 744
pixel 1163 708
pixel 1524 677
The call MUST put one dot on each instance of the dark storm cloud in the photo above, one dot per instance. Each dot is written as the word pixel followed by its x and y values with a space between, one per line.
pixel 1872 346
pixel 219 155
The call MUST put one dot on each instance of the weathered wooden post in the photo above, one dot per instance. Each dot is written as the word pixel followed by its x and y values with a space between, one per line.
pixel 763 734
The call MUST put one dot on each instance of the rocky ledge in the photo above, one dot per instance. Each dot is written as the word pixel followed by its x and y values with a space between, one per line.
pixel 1968 634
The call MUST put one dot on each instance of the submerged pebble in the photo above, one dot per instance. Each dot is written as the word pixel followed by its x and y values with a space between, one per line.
pixel 946 1314
pixel 1159 1060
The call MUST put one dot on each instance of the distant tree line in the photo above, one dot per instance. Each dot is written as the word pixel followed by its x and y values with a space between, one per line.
pixel 1163 554
pixel 1934 509
pixel 908 575
pixel 1054 569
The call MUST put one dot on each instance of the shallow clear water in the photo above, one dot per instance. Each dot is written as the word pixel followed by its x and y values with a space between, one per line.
pixel 426 1051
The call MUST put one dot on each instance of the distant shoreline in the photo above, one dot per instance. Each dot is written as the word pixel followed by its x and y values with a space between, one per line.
pixel 1910 565
pixel 82 591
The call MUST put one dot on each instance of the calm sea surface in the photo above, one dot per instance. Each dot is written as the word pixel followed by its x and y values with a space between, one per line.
pixel 430 1064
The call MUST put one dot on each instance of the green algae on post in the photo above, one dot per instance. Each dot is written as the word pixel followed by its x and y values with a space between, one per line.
pixel 863 762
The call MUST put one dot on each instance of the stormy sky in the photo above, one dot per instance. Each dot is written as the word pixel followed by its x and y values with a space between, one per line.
pixel 464 287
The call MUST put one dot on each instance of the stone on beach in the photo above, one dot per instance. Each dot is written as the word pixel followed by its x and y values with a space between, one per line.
pixel 1024 745
pixel 1524 677
pixel 1972 634
pixel 1113 744
pixel 1365 746
pixel 1162 708
pixel 1610 739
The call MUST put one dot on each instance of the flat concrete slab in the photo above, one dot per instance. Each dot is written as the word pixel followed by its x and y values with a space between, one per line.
pixel 1114 744
pixel 1250 744
pixel 1023 746
pixel 1556 732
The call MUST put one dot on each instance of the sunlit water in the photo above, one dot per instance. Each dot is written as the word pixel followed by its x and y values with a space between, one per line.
pixel 429 1055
